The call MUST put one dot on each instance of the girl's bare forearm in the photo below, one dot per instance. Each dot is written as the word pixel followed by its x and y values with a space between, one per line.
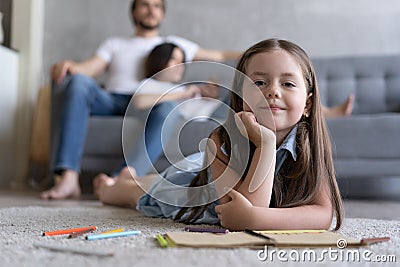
pixel 313 216
pixel 258 183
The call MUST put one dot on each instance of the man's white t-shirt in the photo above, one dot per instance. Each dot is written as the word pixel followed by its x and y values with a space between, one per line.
pixel 126 57
pixel 190 108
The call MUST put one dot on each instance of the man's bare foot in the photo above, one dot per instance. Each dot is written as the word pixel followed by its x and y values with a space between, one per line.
pixel 343 110
pixel 66 186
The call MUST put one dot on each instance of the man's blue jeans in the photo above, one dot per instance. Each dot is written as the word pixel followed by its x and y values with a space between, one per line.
pixel 83 98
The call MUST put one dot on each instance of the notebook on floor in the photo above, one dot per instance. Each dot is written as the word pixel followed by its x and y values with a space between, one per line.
pixel 258 239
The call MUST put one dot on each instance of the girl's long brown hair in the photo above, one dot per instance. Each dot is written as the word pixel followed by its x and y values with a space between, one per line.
pixel 298 182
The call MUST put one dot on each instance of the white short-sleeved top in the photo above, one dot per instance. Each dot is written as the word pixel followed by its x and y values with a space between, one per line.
pixel 126 57
pixel 190 108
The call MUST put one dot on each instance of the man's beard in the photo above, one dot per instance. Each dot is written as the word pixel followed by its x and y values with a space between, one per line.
pixel 147 26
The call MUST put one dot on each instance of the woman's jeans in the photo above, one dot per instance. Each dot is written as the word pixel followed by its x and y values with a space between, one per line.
pixel 83 98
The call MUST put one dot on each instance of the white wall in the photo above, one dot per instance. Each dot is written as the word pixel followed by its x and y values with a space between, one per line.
pixel 27 39
pixel 322 27
pixel 74 28
pixel 8 108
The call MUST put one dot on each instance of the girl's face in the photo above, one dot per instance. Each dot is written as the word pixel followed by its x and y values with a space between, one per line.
pixel 175 73
pixel 282 91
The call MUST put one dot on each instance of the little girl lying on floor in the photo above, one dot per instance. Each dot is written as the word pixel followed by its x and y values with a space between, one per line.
pixel 268 167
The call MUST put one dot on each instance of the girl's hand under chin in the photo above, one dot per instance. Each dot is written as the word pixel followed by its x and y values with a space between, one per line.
pixel 251 129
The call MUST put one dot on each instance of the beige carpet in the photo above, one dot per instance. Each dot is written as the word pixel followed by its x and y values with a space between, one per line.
pixel 22 227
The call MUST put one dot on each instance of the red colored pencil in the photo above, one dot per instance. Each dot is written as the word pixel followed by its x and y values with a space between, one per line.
pixel 69 231
pixel 80 233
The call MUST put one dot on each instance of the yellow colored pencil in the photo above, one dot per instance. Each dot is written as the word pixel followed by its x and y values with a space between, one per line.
pixel 113 231
pixel 290 231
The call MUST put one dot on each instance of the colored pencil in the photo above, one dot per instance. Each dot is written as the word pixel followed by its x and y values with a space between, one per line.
pixel 367 241
pixel 111 235
pixel 113 231
pixel 290 231
pixel 80 233
pixel 162 241
pixel 254 233
pixel 69 231
pixel 207 230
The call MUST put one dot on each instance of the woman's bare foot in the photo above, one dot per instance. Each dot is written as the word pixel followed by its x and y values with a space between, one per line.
pixel 66 186
pixel 343 110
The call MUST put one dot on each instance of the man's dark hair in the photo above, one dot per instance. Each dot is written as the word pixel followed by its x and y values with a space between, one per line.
pixel 133 5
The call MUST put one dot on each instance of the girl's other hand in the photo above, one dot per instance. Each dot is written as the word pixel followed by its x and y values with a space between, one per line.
pixel 251 129
pixel 235 214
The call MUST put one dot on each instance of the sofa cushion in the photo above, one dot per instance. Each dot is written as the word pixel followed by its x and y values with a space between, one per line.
pixel 374 80
pixel 373 137
pixel 105 135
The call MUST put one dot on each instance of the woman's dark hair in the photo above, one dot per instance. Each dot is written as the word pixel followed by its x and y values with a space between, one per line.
pixel 158 58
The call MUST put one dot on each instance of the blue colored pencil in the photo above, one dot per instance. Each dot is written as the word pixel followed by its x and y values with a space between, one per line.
pixel 111 235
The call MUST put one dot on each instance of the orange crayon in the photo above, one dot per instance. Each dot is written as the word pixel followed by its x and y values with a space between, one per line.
pixel 69 231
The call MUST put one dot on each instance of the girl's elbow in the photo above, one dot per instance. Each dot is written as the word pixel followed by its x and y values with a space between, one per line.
pixel 326 220
pixel 326 225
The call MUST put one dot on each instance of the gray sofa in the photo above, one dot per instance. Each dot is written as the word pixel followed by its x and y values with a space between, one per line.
pixel 365 145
